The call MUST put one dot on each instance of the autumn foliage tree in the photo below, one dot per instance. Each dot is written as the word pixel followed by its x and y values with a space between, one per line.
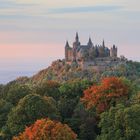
pixel 46 129
pixel 29 109
pixel 106 94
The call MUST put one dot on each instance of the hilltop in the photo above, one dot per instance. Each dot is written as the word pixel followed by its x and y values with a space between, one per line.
pixel 62 72
pixel 90 62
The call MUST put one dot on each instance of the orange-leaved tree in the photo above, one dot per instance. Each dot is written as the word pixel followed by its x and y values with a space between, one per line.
pixel 46 129
pixel 107 93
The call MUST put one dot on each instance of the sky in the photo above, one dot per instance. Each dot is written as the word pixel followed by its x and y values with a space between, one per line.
pixel 33 32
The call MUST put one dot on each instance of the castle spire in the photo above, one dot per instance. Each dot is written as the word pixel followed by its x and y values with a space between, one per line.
pixel 77 37
pixel 67 44
pixel 90 42
pixel 103 43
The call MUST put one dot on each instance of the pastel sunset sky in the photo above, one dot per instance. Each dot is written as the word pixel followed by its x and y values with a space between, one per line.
pixel 33 32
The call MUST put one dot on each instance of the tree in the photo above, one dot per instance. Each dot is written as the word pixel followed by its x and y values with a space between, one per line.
pixel 88 129
pixel 17 92
pixel 120 123
pixel 5 108
pixel 1 89
pixel 84 123
pixel 66 107
pixel 46 129
pixel 28 110
pixel 135 99
pixel 48 88
pixel 106 94
pixel 70 94
pixel 74 89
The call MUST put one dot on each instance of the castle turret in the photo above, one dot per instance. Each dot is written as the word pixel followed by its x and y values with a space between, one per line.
pixel 67 44
pixel 113 51
pixel 90 44
pixel 77 37
pixel 103 44
pixel 66 50
pixel 76 44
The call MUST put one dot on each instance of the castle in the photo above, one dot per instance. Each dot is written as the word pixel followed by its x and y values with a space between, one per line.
pixel 97 57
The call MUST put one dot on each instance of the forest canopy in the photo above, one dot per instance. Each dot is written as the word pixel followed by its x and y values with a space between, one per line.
pixel 88 106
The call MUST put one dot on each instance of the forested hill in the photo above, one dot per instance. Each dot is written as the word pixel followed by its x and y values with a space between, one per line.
pixel 73 104
pixel 59 71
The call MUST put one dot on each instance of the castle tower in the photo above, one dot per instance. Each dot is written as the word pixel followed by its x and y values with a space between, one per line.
pixel 77 37
pixel 103 44
pixel 113 51
pixel 66 51
pixel 76 44
pixel 90 44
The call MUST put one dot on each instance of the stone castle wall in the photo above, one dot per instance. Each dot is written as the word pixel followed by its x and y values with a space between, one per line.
pixel 99 64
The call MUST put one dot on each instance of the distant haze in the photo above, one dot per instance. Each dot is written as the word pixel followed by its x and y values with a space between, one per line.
pixel 33 33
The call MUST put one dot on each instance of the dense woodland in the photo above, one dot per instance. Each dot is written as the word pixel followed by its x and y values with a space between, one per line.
pixel 66 103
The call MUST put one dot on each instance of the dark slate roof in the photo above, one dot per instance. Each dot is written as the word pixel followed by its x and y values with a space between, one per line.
pixel 82 47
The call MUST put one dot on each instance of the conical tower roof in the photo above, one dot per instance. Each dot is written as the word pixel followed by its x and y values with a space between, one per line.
pixel 90 42
pixel 67 44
